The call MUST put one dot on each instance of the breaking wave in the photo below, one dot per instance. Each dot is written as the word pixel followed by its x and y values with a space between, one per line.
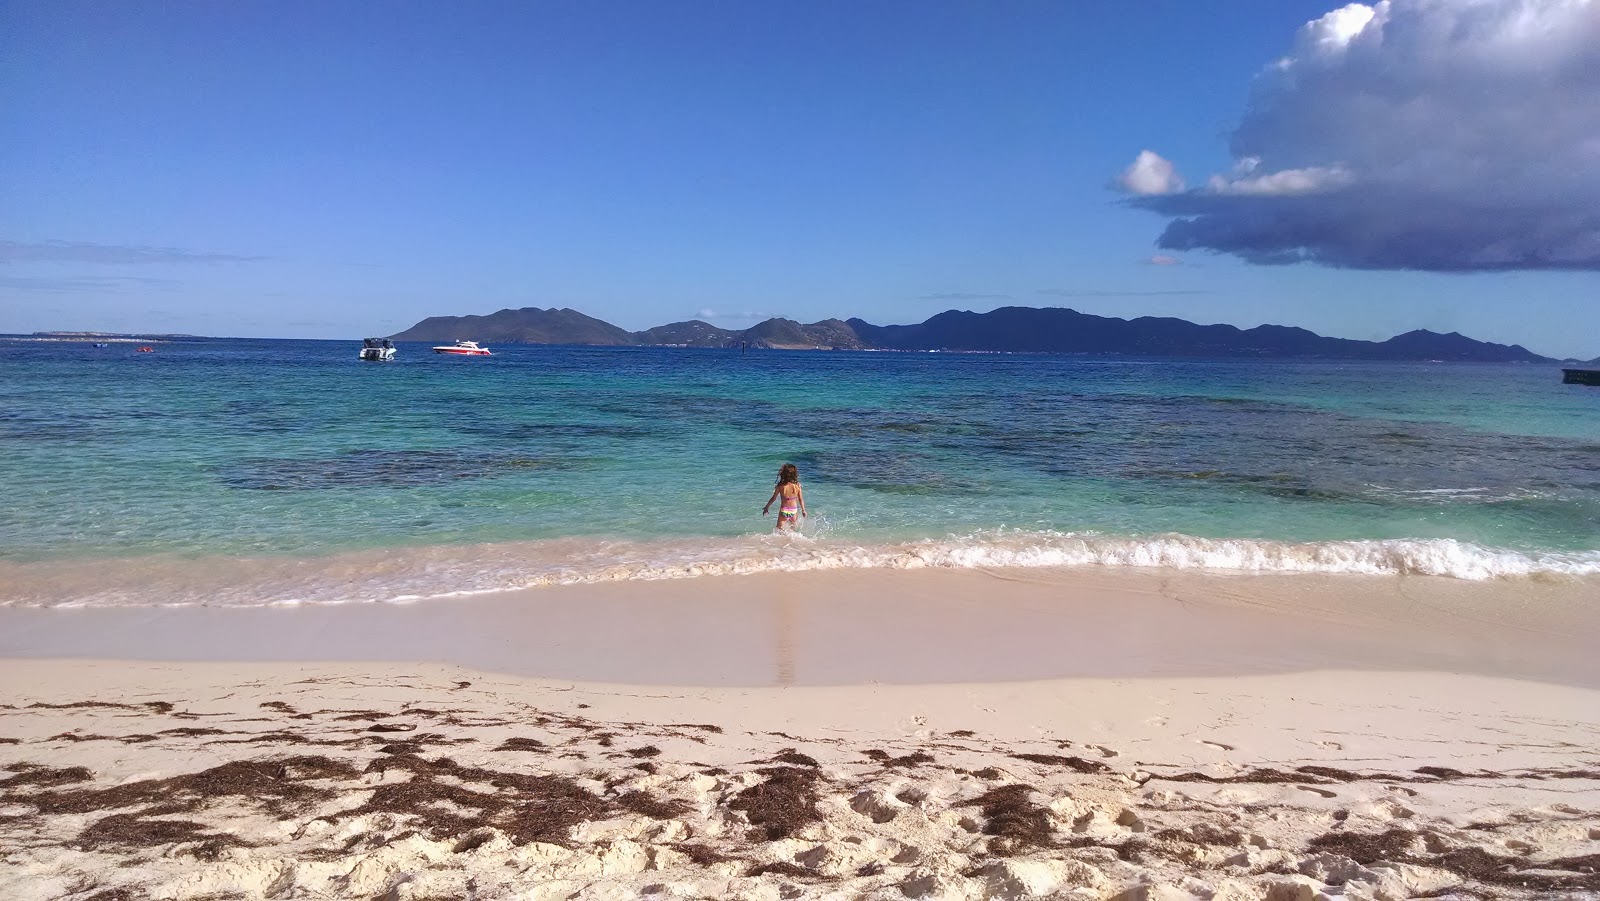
pixel 400 575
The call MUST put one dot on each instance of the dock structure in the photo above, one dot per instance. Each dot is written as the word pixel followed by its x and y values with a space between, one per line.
pixel 1581 376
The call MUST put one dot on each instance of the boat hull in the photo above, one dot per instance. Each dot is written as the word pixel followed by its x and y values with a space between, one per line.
pixel 456 352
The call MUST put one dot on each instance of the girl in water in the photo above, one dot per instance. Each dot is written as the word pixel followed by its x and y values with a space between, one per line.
pixel 791 499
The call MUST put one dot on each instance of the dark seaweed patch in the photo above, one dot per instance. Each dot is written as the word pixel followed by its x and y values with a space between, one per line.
pixel 35 774
pixel 1013 819
pixel 1443 773
pixel 1587 863
pixel 1202 834
pixel 1076 764
pixel 92 736
pixel 914 759
pixel 1398 846
pixel 790 755
pixel 277 784
pixel 781 868
pixel 115 894
pixel 525 434
pixel 526 807
pixel 101 705
pixel 139 830
pixel 375 469
pixel 1260 775
pixel 782 805
pixel 702 855
pixel 651 806
pixel 361 715
pixel 521 744
pixel 886 471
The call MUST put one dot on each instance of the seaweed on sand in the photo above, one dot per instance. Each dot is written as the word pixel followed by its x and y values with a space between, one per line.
pixel 1076 764
pixel 1012 817
pixel 446 799
pixel 278 784
pixel 782 805
pixel 139 830
pixel 1472 863
pixel 37 774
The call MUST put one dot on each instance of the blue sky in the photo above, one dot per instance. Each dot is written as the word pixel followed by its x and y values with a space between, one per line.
pixel 337 170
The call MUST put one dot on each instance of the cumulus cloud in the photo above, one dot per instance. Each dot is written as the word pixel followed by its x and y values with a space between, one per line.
pixel 84 252
pixel 1150 174
pixel 1442 135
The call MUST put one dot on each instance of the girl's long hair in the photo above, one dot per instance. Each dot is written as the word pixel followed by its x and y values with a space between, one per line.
pixel 788 473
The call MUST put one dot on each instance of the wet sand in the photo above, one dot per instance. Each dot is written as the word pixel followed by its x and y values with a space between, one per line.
pixel 876 626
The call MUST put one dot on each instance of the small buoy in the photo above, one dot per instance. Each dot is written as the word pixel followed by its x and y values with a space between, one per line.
pixel 147 350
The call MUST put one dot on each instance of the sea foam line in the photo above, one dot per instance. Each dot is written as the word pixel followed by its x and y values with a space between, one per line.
pixel 1433 557
pixel 410 575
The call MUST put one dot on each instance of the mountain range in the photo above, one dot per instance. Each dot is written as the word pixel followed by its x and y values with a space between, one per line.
pixel 1007 329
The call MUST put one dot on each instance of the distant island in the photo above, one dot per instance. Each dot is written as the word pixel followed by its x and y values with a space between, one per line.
pixel 1008 329
pixel 94 337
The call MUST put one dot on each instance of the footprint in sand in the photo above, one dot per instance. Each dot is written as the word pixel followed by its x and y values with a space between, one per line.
pixel 1156 721
pixel 1317 791
pixel 1217 744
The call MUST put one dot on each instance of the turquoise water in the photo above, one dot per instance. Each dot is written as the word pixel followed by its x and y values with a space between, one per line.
pixel 262 471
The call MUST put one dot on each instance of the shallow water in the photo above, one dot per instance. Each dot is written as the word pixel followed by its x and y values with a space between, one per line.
pixel 258 471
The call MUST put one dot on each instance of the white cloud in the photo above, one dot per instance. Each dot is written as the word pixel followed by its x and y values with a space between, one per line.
pixel 1332 33
pixel 1150 174
pixel 1162 259
pixel 1448 135
pixel 708 313
pixel 1310 180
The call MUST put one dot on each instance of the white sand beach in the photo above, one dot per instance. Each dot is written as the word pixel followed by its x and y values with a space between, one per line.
pixel 870 734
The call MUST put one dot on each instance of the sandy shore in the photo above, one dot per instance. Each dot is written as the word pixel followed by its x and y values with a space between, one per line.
pixel 846 627
pixel 893 735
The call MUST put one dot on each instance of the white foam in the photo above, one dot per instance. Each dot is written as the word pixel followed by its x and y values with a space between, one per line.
pixel 1435 557
pixel 400 576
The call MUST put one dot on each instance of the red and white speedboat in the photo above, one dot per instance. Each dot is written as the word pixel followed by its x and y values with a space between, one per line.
pixel 463 349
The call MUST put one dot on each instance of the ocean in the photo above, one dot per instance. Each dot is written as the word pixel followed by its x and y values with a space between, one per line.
pixel 254 472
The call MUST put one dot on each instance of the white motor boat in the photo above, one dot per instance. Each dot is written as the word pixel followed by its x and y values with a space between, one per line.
pixel 463 349
pixel 377 350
